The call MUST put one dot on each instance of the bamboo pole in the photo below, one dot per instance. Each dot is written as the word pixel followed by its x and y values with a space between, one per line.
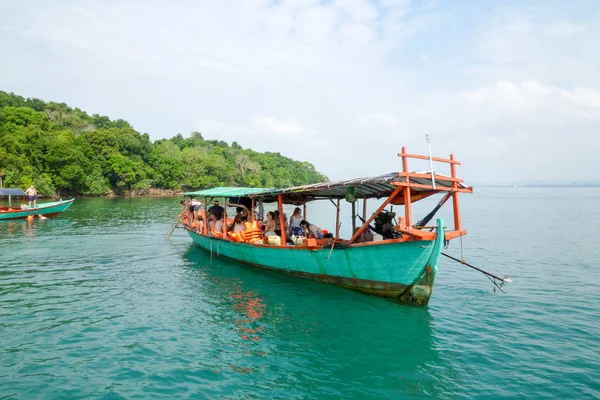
pixel 407 202
pixel 225 235
pixel 353 216
pixel 337 221
pixel 205 225
pixel 281 220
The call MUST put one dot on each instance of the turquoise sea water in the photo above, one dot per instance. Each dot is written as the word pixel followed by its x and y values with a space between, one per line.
pixel 95 304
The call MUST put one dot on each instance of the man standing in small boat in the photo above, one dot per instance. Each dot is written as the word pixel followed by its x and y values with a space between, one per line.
pixel 31 194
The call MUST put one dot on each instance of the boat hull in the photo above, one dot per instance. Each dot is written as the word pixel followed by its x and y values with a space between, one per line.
pixel 51 209
pixel 404 271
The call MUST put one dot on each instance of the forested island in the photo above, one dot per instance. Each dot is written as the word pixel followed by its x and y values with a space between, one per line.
pixel 63 150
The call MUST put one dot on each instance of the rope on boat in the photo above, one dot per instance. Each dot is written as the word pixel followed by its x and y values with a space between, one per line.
pixel 432 213
pixel 493 278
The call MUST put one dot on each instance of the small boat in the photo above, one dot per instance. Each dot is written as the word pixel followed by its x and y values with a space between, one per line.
pixel 396 258
pixel 50 209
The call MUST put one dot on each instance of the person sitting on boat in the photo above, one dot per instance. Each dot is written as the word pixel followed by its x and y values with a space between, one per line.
pixel 294 227
pixel 270 225
pixel 198 224
pixel 211 223
pixel 219 225
pixel 31 194
pixel 242 212
pixel 238 224
pixel 201 222
pixel 217 210
pixel 312 231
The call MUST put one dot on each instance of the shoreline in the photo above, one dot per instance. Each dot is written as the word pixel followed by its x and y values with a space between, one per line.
pixel 131 193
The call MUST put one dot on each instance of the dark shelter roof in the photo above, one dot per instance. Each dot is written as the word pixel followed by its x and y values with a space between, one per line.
pixel 11 192
pixel 370 187
pixel 359 188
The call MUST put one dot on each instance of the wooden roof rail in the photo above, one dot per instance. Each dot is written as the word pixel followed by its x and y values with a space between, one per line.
pixel 421 157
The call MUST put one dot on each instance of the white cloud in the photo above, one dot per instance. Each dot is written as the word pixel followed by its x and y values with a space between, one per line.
pixel 273 125
pixel 376 118
pixel 342 76
pixel 529 96
pixel 564 28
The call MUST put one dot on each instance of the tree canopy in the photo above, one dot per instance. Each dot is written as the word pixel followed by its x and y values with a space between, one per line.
pixel 64 150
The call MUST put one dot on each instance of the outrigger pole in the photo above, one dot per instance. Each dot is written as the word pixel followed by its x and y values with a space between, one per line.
pixel 506 279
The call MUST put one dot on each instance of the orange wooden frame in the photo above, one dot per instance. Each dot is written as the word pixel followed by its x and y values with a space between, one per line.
pixel 454 189
pixel 405 186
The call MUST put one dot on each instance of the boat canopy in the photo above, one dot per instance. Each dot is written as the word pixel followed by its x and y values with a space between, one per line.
pixel 358 188
pixel 11 192
pixel 229 192
pixel 367 187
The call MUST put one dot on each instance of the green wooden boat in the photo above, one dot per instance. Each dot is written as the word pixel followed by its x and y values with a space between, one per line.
pixel 50 209
pixel 399 260
pixel 404 271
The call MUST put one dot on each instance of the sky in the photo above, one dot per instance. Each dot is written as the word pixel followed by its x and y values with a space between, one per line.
pixel 512 88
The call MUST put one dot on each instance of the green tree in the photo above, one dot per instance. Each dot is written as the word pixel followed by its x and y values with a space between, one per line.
pixel 64 150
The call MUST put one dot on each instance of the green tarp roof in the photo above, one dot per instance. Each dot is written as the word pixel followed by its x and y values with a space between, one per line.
pixel 229 192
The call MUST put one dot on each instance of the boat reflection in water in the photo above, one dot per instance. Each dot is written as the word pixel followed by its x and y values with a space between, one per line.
pixel 16 228
pixel 250 308
pixel 296 333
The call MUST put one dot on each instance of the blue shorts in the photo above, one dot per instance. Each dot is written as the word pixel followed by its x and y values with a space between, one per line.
pixel 297 231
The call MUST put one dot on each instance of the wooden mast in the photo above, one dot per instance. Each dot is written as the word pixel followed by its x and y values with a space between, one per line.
pixel 225 235
pixel 205 224
pixel 337 221
pixel 353 216
pixel 407 202
pixel 281 220
pixel 365 209
pixel 455 205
